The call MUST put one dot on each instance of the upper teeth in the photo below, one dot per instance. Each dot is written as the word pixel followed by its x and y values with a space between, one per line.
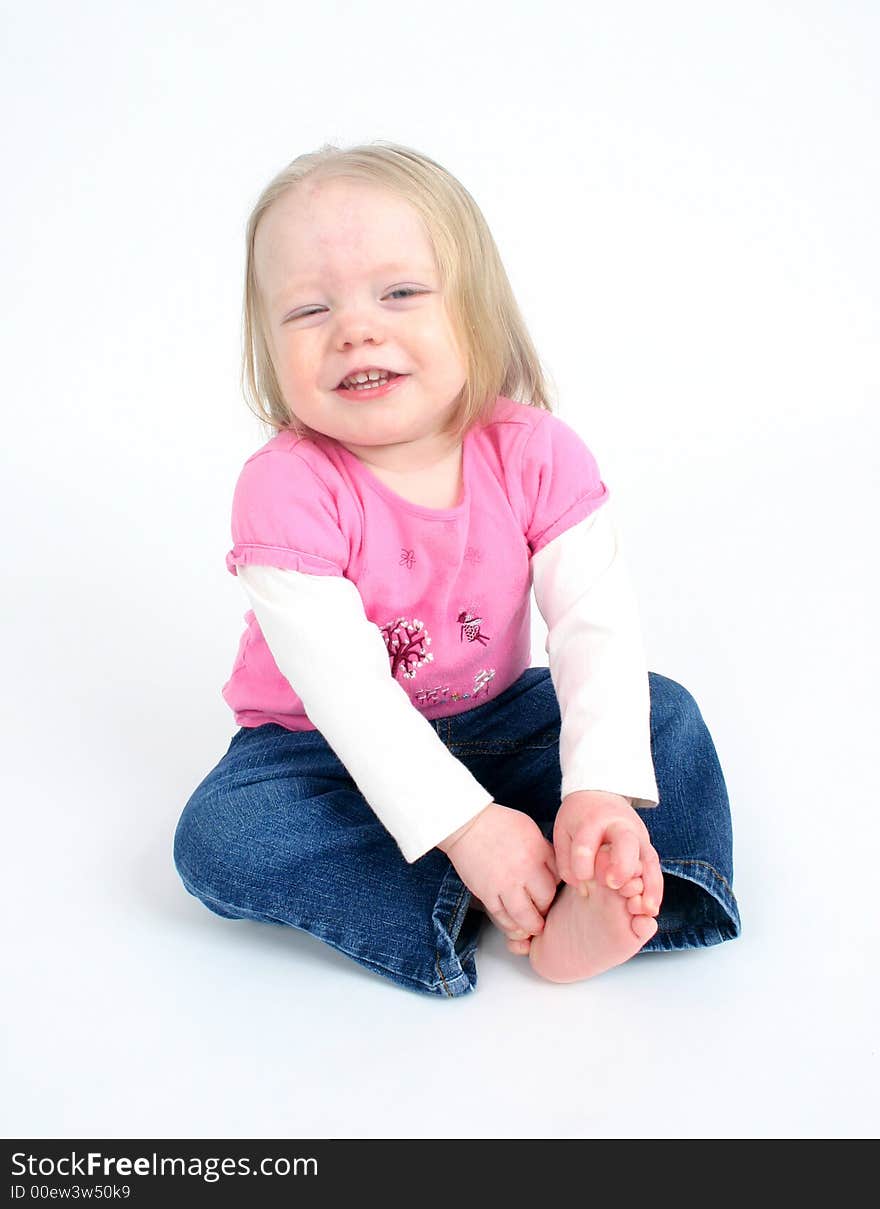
pixel 373 375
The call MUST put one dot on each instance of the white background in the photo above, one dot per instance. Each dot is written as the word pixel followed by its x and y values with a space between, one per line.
pixel 685 196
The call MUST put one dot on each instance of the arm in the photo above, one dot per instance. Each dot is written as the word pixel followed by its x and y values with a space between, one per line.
pixel 597 661
pixel 336 661
pixel 598 667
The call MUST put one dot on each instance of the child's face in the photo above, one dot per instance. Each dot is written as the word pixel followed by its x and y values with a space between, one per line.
pixel 330 258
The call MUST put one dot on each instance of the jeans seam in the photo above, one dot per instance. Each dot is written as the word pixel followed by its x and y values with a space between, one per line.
pixel 692 928
pixel 501 747
pixel 442 979
pixel 437 951
pixel 706 865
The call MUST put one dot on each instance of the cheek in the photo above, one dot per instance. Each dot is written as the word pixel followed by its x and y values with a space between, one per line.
pixel 295 360
pixel 453 366
pixel 452 346
pixel 442 347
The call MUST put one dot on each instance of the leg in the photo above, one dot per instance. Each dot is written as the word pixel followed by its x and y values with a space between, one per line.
pixel 512 746
pixel 691 828
pixel 279 833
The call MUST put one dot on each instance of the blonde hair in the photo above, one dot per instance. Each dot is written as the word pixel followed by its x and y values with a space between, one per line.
pixel 500 356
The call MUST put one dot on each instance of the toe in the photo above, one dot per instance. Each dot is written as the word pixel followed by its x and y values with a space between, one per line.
pixel 634 886
pixel 653 879
pixel 644 926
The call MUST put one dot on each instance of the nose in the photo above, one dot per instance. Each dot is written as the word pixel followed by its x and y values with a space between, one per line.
pixel 354 340
pixel 355 327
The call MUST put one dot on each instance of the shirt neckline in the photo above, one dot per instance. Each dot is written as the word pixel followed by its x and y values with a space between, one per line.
pixel 363 472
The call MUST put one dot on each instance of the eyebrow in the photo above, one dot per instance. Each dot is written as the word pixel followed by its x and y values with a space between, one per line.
pixel 395 267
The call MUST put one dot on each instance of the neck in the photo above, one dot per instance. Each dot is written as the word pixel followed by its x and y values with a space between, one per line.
pixel 409 458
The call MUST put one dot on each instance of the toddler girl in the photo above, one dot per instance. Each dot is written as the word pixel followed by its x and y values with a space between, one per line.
pixel 399 771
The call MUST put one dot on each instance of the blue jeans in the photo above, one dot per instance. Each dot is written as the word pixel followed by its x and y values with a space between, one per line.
pixel 279 832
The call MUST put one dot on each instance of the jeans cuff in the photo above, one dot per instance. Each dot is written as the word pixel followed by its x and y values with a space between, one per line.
pixel 718 913
pixel 456 932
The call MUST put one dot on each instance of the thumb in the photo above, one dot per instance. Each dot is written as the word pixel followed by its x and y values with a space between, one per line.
pixel 550 861
pixel 584 845
pixel 562 853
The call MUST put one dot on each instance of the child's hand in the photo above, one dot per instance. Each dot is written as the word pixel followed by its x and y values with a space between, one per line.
pixel 590 818
pixel 504 860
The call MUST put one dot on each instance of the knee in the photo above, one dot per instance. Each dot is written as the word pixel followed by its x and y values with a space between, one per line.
pixel 199 849
pixel 230 848
pixel 672 705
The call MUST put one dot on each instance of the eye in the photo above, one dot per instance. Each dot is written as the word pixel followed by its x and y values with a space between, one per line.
pixel 404 290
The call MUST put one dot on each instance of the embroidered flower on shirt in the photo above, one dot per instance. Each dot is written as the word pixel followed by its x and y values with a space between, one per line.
pixel 407 643
pixel 407 558
pixel 472 555
pixel 470 628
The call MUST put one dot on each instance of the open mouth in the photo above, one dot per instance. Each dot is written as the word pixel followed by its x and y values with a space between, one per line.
pixel 372 390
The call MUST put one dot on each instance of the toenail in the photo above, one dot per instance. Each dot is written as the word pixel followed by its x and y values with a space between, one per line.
pixel 614 883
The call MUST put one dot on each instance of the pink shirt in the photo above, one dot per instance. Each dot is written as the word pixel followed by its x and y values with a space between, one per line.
pixel 449 589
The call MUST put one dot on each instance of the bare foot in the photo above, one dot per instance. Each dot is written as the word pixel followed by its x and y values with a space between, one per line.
pixel 583 937
pixel 517 942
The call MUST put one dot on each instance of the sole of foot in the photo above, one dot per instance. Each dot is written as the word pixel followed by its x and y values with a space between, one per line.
pixel 584 936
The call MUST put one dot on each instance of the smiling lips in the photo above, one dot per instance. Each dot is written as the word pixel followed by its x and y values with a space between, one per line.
pixel 373 390
pixel 368 371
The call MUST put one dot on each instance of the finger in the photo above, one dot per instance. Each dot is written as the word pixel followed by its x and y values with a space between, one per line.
pixel 555 874
pixel 520 947
pixel 550 862
pixel 503 920
pixel 562 853
pixel 557 881
pixel 652 876
pixel 541 912
pixel 513 935
pixel 541 888
pixel 624 854
pixel 584 846
pixel 600 869
pixel 524 912
pixel 505 923
pixel 634 886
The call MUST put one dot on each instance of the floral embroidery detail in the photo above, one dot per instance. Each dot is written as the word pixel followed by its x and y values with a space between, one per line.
pixel 407 644
pixel 472 555
pixel 407 558
pixel 470 628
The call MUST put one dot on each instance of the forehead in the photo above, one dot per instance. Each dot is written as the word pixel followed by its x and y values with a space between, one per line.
pixel 330 230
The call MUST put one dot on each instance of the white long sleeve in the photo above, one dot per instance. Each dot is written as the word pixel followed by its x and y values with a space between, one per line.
pixel 597 661
pixel 324 644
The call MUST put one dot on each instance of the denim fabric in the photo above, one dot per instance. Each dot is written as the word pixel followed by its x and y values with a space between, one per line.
pixel 279 832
